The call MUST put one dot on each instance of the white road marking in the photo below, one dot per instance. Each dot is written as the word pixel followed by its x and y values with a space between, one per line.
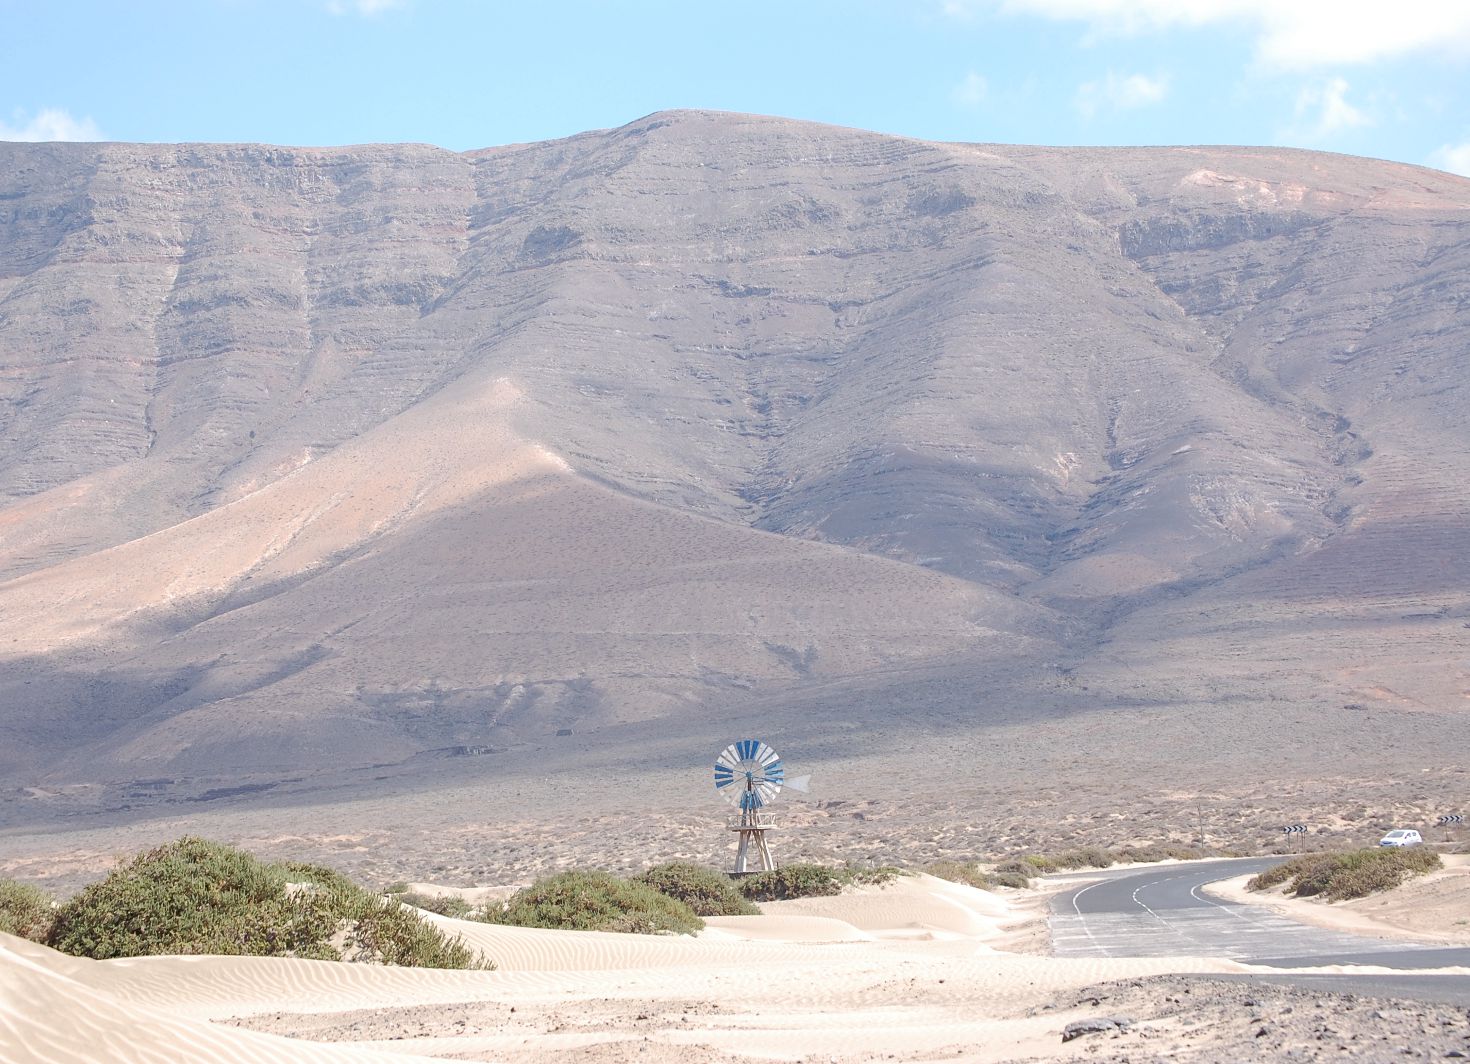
pixel 1078 910
pixel 1212 928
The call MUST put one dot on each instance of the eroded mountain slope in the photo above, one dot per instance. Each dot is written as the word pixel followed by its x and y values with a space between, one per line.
pixel 1128 424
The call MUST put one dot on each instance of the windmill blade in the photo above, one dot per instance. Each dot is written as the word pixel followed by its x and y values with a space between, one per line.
pixel 749 774
pixel 799 783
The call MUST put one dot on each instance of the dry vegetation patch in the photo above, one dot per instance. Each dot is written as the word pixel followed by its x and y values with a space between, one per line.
pixel 1354 874
pixel 801 880
pixel 25 911
pixel 1017 872
pixel 440 904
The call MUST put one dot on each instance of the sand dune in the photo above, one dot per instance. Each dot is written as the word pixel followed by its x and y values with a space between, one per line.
pixel 47 1016
pixel 918 906
pixel 902 969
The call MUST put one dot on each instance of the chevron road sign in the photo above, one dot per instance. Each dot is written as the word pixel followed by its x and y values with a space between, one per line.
pixel 1452 818
pixel 1294 829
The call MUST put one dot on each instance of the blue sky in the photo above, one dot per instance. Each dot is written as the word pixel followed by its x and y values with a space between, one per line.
pixel 1361 76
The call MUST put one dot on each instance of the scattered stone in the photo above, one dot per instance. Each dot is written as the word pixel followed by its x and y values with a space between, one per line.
pixel 1096 1025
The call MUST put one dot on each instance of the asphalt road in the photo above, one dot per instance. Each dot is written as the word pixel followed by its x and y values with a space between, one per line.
pixel 1161 911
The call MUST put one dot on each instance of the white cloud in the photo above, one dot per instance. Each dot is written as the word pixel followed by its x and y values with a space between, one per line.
pixel 49 123
pixel 366 8
pixel 971 92
pixel 1289 33
pixel 1322 112
pixel 1452 157
pixel 1120 92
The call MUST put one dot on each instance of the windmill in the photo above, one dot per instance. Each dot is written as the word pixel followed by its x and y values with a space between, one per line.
pixel 749 775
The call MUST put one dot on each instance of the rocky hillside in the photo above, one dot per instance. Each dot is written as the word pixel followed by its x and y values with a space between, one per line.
pixel 366 456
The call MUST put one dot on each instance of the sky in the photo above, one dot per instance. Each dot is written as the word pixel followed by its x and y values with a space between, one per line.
pixel 1365 77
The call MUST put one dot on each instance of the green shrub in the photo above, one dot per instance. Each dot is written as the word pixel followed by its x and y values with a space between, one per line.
pixel 315 874
pixel 1002 877
pixel 193 896
pixel 1353 874
pixel 1019 871
pixel 959 872
pixel 866 876
pixel 442 904
pixel 792 881
pixel 391 934
pixel 595 901
pixel 706 891
pixel 1287 870
pixel 1016 868
pixel 25 910
pixel 198 897
pixel 1158 851
pixel 1085 857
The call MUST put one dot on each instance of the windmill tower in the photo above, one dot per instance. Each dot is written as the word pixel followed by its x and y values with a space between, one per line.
pixel 749 775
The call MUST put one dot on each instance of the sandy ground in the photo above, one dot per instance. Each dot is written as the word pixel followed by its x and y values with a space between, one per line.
pixel 907 971
pixel 1430 908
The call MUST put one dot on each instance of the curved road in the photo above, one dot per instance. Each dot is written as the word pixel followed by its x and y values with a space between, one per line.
pixel 1161 911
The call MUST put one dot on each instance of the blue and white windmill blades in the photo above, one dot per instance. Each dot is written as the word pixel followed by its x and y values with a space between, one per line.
pixel 749 775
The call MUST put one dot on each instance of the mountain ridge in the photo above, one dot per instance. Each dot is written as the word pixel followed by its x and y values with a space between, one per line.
pixel 1104 426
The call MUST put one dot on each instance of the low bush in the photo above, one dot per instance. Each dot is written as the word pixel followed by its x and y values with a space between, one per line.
pixel 706 891
pixel 1287 870
pixel 1035 864
pixel 1003 877
pixel 315 874
pixel 1015 872
pixel 199 897
pixel 1158 851
pixel 442 904
pixel 792 881
pixel 391 934
pixel 960 872
pixel 595 901
pixel 868 876
pixel 25 910
pixel 1353 874
pixel 1085 857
